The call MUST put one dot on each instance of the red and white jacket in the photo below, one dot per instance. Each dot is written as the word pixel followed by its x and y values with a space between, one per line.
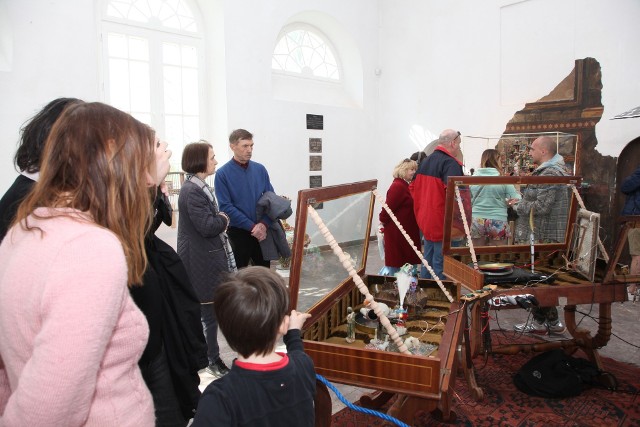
pixel 429 192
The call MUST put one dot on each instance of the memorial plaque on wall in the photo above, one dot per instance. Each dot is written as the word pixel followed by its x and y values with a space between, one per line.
pixel 315 163
pixel 315 181
pixel 315 121
pixel 315 145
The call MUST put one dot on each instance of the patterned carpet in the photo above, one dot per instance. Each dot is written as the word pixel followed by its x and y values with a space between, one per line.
pixel 504 405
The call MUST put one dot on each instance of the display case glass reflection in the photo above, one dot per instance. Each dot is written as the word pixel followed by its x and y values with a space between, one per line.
pixel 545 211
pixel 348 219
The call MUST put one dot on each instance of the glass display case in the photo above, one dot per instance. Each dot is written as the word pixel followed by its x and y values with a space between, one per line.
pixel 321 285
pixel 566 271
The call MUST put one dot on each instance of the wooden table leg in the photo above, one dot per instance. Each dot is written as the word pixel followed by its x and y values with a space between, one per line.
pixel 469 370
pixel 375 399
pixel 322 405
pixel 589 344
pixel 406 407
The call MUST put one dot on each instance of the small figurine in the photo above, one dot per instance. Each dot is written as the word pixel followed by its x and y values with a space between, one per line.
pixel 351 325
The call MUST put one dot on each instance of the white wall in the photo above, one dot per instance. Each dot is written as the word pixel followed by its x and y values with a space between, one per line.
pixel 470 65
pixel 281 138
pixel 466 64
pixel 51 54
pixel 56 53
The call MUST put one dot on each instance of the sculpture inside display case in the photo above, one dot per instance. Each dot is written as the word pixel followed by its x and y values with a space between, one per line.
pixel 514 151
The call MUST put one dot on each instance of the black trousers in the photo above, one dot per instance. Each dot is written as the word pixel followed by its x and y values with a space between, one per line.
pixel 246 248
pixel 158 379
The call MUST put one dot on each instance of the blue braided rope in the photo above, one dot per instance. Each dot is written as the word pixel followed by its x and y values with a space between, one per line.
pixel 358 408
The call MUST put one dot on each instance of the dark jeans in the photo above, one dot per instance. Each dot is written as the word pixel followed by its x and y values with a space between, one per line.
pixel 158 379
pixel 210 329
pixel 246 248
pixel 433 256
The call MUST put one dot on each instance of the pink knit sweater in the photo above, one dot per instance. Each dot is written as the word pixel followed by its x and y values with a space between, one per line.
pixel 70 334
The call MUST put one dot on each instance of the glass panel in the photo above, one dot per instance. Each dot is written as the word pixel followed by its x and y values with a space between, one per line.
pixel 191 129
pixel 138 49
pixel 189 56
pixel 174 136
pixel 117 45
pixel 140 87
pixel 119 84
pixel 143 117
pixel 190 91
pixel 306 51
pixel 172 90
pixel 170 13
pixel 321 271
pixel 542 211
pixel 137 15
pixel 171 54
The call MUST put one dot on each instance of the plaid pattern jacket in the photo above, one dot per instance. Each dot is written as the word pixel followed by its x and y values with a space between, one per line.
pixel 549 203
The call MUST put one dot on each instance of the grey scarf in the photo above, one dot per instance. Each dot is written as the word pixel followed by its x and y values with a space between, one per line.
pixel 231 260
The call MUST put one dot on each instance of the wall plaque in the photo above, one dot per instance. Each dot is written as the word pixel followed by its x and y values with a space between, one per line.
pixel 315 163
pixel 315 121
pixel 315 145
pixel 315 181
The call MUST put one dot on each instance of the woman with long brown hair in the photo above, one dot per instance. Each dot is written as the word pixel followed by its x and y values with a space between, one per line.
pixel 70 334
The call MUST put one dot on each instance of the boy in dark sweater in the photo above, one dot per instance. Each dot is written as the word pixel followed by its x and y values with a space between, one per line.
pixel 263 388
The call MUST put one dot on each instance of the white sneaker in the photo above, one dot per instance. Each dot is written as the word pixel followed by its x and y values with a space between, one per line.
pixel 534 327
pixel 531 327
pixel 556 327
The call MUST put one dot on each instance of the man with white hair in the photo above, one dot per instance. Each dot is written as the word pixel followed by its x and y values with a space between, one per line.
pixel 429 193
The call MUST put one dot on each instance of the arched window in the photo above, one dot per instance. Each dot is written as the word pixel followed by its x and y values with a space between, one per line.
pixel 305 51
pixel 153 66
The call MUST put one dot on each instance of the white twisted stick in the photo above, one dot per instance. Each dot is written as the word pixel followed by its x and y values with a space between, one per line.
pixel 368 298
pixel 413 246
pixel 466 228
pixel 605 255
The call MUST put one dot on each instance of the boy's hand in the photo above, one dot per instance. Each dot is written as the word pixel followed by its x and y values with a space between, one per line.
pixel 297 319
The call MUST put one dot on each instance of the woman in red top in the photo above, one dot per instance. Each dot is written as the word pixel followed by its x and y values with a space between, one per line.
pixel 398 251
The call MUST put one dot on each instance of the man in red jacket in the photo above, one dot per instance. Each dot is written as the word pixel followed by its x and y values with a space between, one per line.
pixel 429 192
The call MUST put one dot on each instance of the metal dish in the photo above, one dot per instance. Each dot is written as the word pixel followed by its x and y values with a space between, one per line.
pixel 495 266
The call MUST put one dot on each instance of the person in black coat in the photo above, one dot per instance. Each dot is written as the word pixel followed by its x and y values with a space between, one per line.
pixel 27 159
pixel 176 349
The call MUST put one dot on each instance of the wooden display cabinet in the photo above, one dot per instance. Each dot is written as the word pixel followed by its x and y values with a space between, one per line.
pixel 321 286
pixel 564 285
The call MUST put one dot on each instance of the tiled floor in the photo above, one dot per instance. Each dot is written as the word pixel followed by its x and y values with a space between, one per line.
pixel 623 346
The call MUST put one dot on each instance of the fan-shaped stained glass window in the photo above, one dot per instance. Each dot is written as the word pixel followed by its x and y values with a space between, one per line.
pixel 174 14
pixel 305 52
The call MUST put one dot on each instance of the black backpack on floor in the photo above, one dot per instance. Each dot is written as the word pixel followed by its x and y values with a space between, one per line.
pixel 553 374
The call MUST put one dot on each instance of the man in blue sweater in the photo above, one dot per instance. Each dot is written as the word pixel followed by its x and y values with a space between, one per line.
pixel 239 184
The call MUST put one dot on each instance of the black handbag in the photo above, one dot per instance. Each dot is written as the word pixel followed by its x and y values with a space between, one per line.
pixel 512 215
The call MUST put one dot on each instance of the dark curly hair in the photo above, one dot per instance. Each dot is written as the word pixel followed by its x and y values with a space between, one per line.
pixel 34 133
